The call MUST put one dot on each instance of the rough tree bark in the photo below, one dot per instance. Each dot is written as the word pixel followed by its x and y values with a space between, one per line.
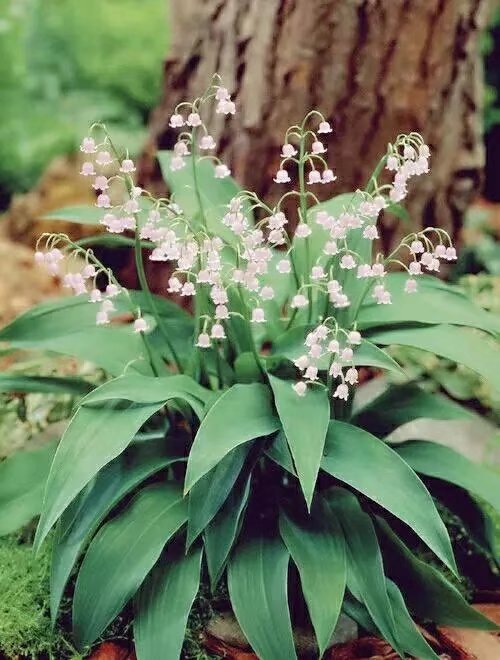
pixel 374 67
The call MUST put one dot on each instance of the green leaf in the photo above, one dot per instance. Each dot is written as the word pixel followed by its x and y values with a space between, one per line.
pixel 366 578
pixel 290 345
pixel 146 390
pixel 44 384
pixel 84 515
pixel 433 304
pixel 221 533
pixel 209 493
pixel 473 349
pixel 426 591
pixel 215 193
pixel 367 464
pixel 400 404
pixel 279 452
pixel 318 550
pixel 305 422
pixel 242 413
pixel 440 462
pixel 257 582
pixel 67 326
pixel 163 604
pixel 121 555
pixel 22 482
pixel 407 632
pixel 81 215
pixel 93 438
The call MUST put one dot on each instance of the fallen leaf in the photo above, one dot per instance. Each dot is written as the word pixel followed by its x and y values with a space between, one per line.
pixel 112 651
pixel 225 650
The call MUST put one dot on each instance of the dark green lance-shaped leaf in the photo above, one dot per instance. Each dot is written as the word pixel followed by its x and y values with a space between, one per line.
pixel 290 345
pixel 242 413
pixel 121 555
pixel 67 326
pixel 146 390
pixel 220 535
pixel 22 481
pixel 84 515
pixel 163 603
pixel 44 384
pixel 318 550
pixel 305 422
pixel 403 403
pixel 279 452
pixel 473 349
pixel 366 578
pixel 93 438
pixel 366 463
pixel 82 215
pixel 427 592
pixel 407 632
pixel 434 303
pixel 209 493
pixel 257 582
pixel 435 460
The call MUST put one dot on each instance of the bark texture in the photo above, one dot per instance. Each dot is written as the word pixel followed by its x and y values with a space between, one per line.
pixel 375 68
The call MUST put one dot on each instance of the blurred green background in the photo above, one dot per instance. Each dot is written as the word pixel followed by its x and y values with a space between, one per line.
pixel 66 63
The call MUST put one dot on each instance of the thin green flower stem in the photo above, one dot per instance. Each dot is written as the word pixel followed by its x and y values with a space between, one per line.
pixel 250 333
pixel 303 216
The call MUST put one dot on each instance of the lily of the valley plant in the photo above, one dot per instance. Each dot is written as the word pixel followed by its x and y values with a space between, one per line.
pixel 231 444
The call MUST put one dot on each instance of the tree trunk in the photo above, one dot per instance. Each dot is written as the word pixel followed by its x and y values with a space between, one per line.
pixel 375 68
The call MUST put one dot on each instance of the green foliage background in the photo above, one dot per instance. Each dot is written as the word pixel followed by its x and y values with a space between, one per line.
pixel 66 63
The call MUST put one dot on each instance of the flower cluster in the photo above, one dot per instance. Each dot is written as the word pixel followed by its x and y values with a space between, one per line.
pixel 235 271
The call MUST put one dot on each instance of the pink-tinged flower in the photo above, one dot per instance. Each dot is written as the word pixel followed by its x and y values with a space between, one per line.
pixel 131 206
pixel 340 300
pixel 104 158
pixel 101 318
pixel 417 247
pixel 346 354
pixel 207 142
pixel 300 388
pixel 370 232
pixel 324 127
pixel 351 376
pixel 311 373
pixel 354 338
pixel 347 262
pixel 302 230
pixel 222 171
pixel 302 362
pixel 188 289
pixel 193 119
pixel 88 271
pixel 378 270
pixel 440 251
pixel 100 183
pixel 225 107
pixel 318 147
pixel 221 312
pixel 288 151
pixel 427 259
pixel 177 163
pixel 140 325
pixel 298 301
pixel 328 176
pixel 107 306
pixel 176 121
pixel 335 369
pixel 317 273
pixel 40 258
pixel 330 248
pixel 333 346
pixel 87 169
pixel 174 285
pixel 258 315
pixel 103 201
pixel 112 290
pixel 364 270
pixel 277 237
pixel 283 266
pixel 342 392
pixel 282 176
pixel 415 268
pixel 127 166
pixel 222 94
pixel 411 286
pixel 451 254
pixel 267 293
pixel 95 296
pixel 203 340
pixel 218 331
pixel 392 163
pixel 314 177
pixel 88 145
pixel 181 148
pixel 409 152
